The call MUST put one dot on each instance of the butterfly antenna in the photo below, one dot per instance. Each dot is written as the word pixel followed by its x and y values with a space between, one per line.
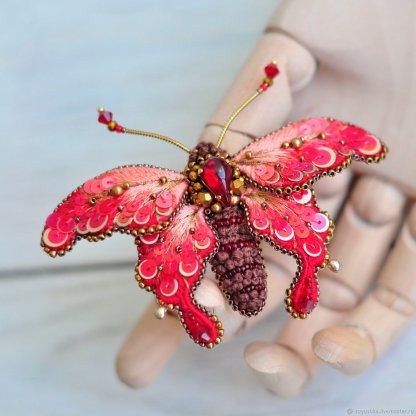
pixel 106 117
pixel 271 71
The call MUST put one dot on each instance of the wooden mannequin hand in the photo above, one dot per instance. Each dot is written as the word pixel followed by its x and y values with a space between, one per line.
pixel 349 69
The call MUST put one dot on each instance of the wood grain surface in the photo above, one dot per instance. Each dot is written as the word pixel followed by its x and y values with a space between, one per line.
pixel 161 66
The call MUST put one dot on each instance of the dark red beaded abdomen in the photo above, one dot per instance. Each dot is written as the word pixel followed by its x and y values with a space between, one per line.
pixel 238 263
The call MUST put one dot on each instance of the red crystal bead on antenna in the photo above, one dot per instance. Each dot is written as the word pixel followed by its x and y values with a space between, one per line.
pixel 271 70
pixel 105 117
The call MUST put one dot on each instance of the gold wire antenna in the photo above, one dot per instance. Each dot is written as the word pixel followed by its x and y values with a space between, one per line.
pixel 106 117
pixel 271 71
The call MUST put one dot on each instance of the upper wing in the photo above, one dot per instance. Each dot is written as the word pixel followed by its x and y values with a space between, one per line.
pixel 301 152
pixel 172 263
pixel 296 226
pixel 135 199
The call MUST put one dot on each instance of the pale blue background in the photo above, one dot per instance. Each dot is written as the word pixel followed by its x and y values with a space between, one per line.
pixel 161 66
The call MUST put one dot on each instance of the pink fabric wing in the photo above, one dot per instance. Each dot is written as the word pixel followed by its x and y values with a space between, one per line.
pixel 317 146
pixel 172 263
pixel 132 199
pixel 294 225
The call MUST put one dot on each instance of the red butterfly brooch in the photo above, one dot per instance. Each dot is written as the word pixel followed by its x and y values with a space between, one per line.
pixel 217 210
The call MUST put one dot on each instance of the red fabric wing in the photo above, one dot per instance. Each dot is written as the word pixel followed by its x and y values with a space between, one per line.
pixel 305 150
pixel 297 226
pixel 130 199
pixel 172 263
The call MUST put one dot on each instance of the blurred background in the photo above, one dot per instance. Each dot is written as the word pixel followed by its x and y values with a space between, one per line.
pixel 159 66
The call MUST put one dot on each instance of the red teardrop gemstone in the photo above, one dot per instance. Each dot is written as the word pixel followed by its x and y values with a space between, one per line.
pixel 105 117
pixel 217 175
pixel 271 70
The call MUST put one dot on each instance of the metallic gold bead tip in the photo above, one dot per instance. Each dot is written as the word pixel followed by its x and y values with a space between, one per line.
pixel 100 109
pixel 116 190
pixel 112 125
pixel 216 207
pixel 335 265
pixel 160 312
pixel 204 199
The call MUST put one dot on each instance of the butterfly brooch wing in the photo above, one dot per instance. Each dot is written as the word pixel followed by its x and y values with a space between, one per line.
pixel 171 265
pixel 174 240
pixel 301 152
pixel 280 169
pixel 138 200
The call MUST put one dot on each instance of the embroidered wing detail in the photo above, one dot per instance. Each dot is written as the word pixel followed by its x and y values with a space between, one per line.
pixel 172 263
pixel 294 225
pixel 135 199
pixel 301 152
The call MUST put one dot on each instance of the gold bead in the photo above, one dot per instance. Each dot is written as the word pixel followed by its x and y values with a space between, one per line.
pixel 197 186
pixel 335 265
pixel 125 185
pixel 112 125
pixel 216 207
pixel 159 227
pixel 237 186
pixel 204 199
pixel 285 145
pixel 236 173
pixel 249 155
pixel 235 200
pixel 141 230
pixel 268 81
pixel 116 190
pixel 192 175
pixel 160 312
pixel 297 142
pixel 151 230
pixel 295 314
pixel 100 109
pixel 303 315
pixel 163 180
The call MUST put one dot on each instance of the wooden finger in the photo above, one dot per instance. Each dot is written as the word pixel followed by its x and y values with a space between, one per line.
pixel 361 227
pixel 148 348
pixel 331 192
pixel 364 232
pixel 270 111
pixel 382 317
pixel 361 77
pixel 152 342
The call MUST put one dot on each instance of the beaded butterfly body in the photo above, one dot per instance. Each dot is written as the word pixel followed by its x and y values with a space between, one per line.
pixel 217 211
